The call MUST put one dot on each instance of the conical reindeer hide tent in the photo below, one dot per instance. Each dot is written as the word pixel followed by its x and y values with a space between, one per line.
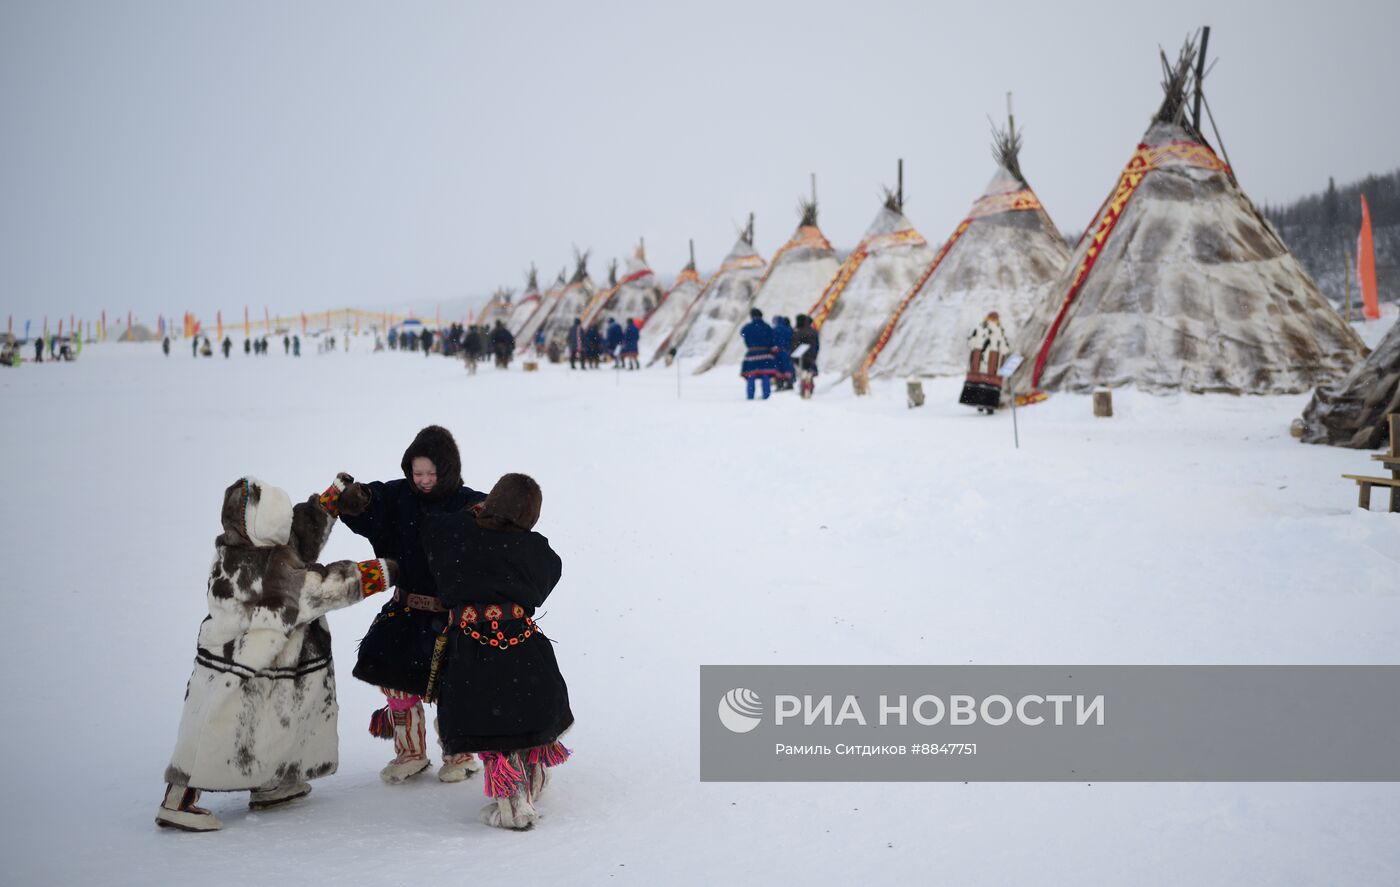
pixel 525 308
pixel 549 302
pixel 669 313
pixel 572 302
pixel 859 300
pixel 720 308
pixel 1004 257
pixel 1180 285
pixel 798 274
pixel 636 294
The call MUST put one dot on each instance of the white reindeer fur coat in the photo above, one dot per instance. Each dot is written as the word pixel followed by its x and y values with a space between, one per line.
pixel 260 708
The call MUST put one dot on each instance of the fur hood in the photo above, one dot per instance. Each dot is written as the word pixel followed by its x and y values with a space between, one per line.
pixel 255 513
pixel 435 444
pixel 513 504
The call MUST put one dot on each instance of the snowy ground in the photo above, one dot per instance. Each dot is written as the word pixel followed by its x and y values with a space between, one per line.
pixel 699 529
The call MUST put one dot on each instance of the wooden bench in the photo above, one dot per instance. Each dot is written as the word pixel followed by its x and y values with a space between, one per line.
pixel 1365 483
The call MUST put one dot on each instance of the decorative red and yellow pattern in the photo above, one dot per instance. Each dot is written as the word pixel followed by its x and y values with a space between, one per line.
pixel 1015 201
pixel 888 331
pixel 1144 160
pixel 330 500
pixel 833 292
pixel 373 576
pixel 808 236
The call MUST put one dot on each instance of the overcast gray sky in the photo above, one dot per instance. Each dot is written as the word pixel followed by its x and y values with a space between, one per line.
pixel 167 156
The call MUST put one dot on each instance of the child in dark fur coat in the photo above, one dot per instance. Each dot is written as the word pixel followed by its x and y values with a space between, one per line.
pixel 499 690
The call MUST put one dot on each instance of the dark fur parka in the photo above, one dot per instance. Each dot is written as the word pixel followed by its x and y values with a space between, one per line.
pixel 505 697
pixel 397 650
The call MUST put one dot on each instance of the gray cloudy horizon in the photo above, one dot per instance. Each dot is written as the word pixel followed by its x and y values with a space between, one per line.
pixel 162 157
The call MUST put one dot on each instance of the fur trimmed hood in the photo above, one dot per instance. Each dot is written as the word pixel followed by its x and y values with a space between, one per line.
pixel 514 503
pixel 437 445
pixel 255 513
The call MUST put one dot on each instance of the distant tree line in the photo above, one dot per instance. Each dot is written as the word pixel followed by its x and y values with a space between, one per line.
pixel 1338 210
pixel 1321 230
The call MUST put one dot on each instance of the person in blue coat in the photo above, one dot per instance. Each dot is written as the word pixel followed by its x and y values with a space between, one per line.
pixel 759 362
pixel 782 340
pixel 630 347
pixel 613 337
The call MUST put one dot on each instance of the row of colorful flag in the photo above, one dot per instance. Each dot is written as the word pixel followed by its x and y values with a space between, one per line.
pixel 190 325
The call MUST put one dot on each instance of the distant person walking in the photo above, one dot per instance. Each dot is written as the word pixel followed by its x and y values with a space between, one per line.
pixel 759 363
pixel 806 340
pixel 630 337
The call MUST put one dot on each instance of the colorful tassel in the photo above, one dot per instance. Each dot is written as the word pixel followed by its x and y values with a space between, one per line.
pixel 503 780
pixel 551 755
pixel 381 723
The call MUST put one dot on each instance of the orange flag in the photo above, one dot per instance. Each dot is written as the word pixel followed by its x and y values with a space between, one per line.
pixel 219 325
pixel 1366 265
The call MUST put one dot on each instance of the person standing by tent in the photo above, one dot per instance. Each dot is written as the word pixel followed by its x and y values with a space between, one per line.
pixel 505 701
pixel 759 363
pixel 631 337
pixel 396 654
pixel 503 344
pixel 593 344
pixel 782 341
pixel 427 342
pixel 613 339
pixel 982 389
pixel 806 335
pixel 165 346
pixel 260 710
pixel 38 349
pixel 577 338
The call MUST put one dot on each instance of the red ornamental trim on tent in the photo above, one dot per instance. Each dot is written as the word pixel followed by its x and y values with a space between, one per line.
pixel 688 274
pixel 993 204
pixel 741 262
pixel 807 235
pixel 987 205
pixel 1144 160
pixel 888 331
pixel 857 258
pixel 598 303
pixel 603 299
pixel 666 342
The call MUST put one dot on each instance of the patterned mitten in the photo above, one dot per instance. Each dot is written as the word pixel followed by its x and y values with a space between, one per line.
pixel 377 575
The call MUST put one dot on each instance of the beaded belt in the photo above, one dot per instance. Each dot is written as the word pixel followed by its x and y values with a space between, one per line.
pixel 421 602
pixel 473 615
pixel 490 612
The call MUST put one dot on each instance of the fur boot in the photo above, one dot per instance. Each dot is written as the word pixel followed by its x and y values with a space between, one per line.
pixel 458 768
pixel 177 810
pixel 263 798
pixel 455 768
pixel 507 782
pixel 410 741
